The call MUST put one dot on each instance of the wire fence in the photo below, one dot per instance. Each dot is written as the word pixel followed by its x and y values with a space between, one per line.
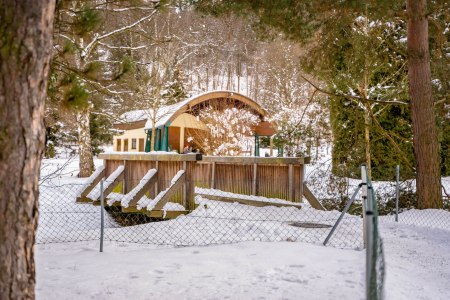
pixel 395 192
pixel 217 217
pixel 375 262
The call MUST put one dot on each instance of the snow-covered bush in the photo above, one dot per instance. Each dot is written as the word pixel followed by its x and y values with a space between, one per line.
pixel 228 131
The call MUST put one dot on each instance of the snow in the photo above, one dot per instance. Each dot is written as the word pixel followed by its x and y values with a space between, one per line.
pixel 150 204
pixel 134 116
pixel 291 263
pixel 127 198
pixel 96 192
pixel 91 179
pixel 417 262
pixel 165 113
pixel 215 192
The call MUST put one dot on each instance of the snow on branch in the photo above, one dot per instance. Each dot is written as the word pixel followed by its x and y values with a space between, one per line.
pixel 98 38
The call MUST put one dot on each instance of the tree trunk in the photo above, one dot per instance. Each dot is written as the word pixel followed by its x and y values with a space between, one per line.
pixel 25 43
pixel 426 146
pixel 367 123
pixel 84 143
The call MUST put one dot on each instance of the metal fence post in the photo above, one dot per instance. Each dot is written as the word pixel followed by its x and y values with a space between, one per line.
pixel 347 207
pixel 102 217
pixel 397 190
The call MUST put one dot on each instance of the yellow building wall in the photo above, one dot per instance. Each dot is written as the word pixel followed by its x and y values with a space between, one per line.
pixel 127 138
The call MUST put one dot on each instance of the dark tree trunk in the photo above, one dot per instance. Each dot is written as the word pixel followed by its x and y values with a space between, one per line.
pixel 25 49
pixel 426 146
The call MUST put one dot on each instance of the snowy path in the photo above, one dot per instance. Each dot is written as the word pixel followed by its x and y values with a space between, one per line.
pixel 249 270
pixel 417 259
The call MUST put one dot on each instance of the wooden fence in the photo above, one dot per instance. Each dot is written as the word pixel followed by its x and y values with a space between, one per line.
pixel 271 177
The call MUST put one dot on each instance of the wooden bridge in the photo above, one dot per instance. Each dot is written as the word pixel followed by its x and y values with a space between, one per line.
pixel 165 185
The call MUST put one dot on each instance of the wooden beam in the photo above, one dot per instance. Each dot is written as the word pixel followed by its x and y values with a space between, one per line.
pixel 170 192
pixel 213 175
pixel 90 187
pixel 255 178
pixel 311 198
pixel 257 160
pixel 248 201
pixel 184 191
pixel 169 214
pixel 150 156
pixel 143 190
pixel 111 186
pixel 290 182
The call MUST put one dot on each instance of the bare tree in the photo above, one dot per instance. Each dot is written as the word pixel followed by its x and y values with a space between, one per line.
pixel 25 40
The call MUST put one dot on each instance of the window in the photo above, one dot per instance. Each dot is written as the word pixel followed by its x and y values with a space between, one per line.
pixel 133 143
pixel 119 145
pixel 125 145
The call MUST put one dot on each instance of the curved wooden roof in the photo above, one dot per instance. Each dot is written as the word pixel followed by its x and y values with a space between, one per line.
pixel 187 105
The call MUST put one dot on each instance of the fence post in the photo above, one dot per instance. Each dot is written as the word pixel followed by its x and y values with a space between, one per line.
pixel 397 190
pixel 364 198
pixel 102 217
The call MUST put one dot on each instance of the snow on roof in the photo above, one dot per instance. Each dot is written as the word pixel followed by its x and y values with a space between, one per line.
pixel 164 113
pixel 134 116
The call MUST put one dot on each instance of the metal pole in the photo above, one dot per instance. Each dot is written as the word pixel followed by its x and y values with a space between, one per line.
pixel 364 198
pixel 397 189
pixel 102 217
pixel 369 241
pixel 347 207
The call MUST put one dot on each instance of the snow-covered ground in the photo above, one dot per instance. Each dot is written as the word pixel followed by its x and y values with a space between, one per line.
pixel 417 257
pixel 417 267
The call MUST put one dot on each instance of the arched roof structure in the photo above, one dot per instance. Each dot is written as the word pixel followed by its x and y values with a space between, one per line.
pixel 166 115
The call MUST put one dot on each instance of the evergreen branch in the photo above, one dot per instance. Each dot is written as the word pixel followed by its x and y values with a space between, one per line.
pixel 391 140
pixel 351 96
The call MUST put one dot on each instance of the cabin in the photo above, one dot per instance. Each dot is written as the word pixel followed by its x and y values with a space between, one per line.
pixel 176 123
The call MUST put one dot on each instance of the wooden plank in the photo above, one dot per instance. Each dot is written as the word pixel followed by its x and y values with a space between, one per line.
pixel 248 201
pixel 183 193
pixel 213 175
pixel 255 178
pixel 290 182
pixel 90 187
pixel 257 160
pixel 169 193
pixel 111 187
pixel 151 156
pixel 311 198
pixel 169 214
pixel 144 189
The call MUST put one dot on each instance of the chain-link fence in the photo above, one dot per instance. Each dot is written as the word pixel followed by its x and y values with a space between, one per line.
pixel 395 191
pixel 215 217
pixel 375 263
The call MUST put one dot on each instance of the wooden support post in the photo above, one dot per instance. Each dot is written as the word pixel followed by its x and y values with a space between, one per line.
pixel 291 182
pixel 255 178
pixel 140 193
pixel 302 182
pixel 124 179
pixel 213 175
pixel 156 183
pixel 170 192
pixel 181 140
pixel 184 189
pixel 88 188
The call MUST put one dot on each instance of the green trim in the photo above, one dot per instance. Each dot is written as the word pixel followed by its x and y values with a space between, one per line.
pixel 165 139
pixel 148 141
pixel 256 144
pixel 157 140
